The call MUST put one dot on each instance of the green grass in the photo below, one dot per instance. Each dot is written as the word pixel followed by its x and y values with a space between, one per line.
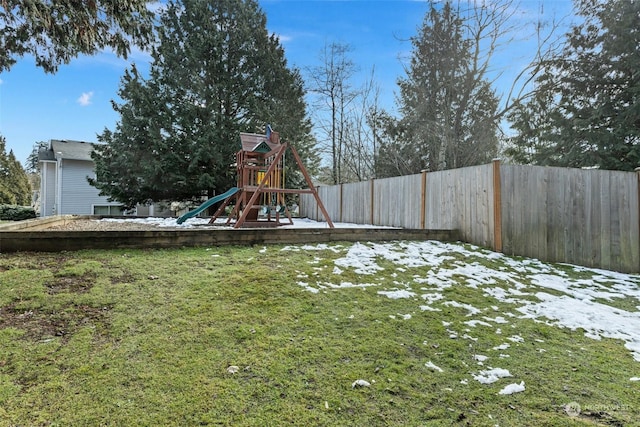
pixel 145 337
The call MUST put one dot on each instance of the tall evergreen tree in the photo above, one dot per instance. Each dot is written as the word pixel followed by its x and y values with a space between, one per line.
pixel 447 105
pixel 55 31
pixel 14 182
pixel 32 160
pixel 586 108
pixel 216 72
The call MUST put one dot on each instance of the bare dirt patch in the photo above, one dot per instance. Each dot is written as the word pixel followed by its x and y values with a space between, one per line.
pixel 70 284
pixel 39 325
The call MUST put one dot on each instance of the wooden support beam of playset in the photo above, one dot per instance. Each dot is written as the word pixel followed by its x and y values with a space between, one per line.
pixel 281 190
pixel 311 187
pixel 260 189
pixel 223 206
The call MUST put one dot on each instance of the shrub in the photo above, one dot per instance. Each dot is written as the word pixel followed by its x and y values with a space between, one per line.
pixel 16 213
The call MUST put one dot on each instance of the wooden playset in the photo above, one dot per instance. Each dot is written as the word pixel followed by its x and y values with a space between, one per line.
pixel 260 193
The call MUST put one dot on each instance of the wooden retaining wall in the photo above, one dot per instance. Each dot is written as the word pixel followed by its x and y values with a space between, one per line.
pixel 585 217
pixel 56 241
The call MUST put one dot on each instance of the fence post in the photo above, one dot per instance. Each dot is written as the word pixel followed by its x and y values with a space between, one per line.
pixel 497 207
pixel 317 218
pixel 341 208
pixel 423 200
pixel 637 171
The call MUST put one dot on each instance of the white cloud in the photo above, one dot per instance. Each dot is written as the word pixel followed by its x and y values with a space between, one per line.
pixel 85 99
pixel 283 38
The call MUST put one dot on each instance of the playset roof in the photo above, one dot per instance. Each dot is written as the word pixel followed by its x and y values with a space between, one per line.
pixel 253 142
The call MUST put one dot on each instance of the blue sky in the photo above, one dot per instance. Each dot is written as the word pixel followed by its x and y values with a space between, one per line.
pixel 75 103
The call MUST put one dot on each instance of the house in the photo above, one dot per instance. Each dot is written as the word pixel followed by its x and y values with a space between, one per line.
pixel 64 189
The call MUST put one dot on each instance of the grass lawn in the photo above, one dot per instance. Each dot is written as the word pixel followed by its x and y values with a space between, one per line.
pixel 437 334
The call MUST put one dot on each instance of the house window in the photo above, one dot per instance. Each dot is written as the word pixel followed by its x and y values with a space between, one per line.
pixel 108 210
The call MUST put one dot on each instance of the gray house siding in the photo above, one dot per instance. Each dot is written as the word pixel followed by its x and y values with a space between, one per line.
pixel 48 186
pixel 64 189
pixel 78 196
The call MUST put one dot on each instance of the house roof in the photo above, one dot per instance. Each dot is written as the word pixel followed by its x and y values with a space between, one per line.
pixel 67 149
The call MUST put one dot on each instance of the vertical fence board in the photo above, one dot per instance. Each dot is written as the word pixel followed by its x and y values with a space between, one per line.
pixel 330 195
pixel 356 202
pixel 397 201
pixel 605 219
pixel 624 222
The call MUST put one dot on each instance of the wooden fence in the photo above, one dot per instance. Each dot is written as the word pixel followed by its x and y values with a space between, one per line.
pixel 585 217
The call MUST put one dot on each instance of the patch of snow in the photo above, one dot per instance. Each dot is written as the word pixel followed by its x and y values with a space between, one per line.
pixel 498 319
pixel 502 346
pixel 598 320
pixel 308 287
pixel 397 294
pixel 361 258
pixel 345 285
pixel 433 367
pixel 431 298
pixel 491 376
pixel 579 289
pixel 471 309
pixel 576 303
pixel 360 383
pixel 317 247
pixel 474 323
pixel 513 388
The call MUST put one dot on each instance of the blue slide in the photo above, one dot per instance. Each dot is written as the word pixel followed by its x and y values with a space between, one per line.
pixel 205 205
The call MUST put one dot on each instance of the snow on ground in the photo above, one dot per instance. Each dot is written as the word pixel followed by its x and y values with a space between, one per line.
pixel 220 222
pixel 535 290
pixel 491 376
pixel 513 388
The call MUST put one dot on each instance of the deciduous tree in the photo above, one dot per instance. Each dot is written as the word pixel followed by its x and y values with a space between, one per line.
pixel 330 81
pixel 343 115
